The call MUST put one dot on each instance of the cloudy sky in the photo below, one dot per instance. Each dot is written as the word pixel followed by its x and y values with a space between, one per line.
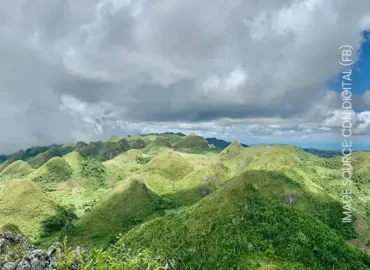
pixel 255 71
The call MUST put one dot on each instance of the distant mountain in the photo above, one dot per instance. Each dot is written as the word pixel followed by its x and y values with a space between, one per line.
pixel 3 158
pixel 221 144
pixel 323 153
pixel 164 133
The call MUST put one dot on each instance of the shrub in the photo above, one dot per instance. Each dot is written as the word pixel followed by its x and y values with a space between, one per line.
pixel 137 144
pixel 92 169
pixel 60 221
pixel 142 160
pixel 103 151
pixel 117 257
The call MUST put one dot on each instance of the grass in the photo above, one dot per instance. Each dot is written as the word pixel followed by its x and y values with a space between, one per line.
pixel 238 222
pixel 18 169
pixel 123 166
pixel 192 143
pixel 130 204
pixel 54 170
pixel 164 170
pixel 23 204
pixel 157 146
pixel 198 184
pixel 73 159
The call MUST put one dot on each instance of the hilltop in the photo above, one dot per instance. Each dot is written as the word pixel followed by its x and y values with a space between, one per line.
pixel 245 224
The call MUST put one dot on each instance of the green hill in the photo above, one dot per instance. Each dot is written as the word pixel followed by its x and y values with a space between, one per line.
pixel 231 151
pixel 130 204
pixel 258 207
pixel 5 164
pixel 73 159
pixel 242 226
pixel 125 165
pixel 17 169
pixel 198 184
pixel 23 205
pixel 54 170
pixel 158 145
pixel 164 170
pixel 103 151
pixel 192 143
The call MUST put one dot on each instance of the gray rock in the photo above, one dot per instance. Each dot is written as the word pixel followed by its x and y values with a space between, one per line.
pixel 36 259
pixel 24 264
pixel 10 266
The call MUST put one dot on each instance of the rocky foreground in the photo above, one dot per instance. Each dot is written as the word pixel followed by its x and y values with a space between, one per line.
pixel 16 253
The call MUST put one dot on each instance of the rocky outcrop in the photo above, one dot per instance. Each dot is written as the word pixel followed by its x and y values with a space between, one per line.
pixel 10 238
pixel 38 259
pixel 34 259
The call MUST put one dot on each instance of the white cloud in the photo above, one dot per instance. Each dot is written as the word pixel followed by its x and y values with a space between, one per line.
pixel 72 68
pixel 366 97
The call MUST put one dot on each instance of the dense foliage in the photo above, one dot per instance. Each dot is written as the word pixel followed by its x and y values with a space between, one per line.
pixel 92 169
pixel 137 144
pixel 142 160
pixel 58 222
pixel 103 150
pixel 117 257
pixel 242 225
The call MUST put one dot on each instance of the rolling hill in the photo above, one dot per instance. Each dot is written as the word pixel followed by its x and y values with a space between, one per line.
pixel 203 203
pixel 248 224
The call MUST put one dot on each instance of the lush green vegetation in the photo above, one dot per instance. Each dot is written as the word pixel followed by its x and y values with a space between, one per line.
pixel 54 170
pixel 17 169
pixel 132 202
pixel 23 204
pixel 192 143
pixel 58 222
pixel 323 153
pixel 103 150
pixel 239 223
pixel 116 257
pixel 92 169
pixel 170 201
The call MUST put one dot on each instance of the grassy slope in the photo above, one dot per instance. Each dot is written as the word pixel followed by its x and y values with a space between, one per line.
pixel 123 166
pixel 164 170
pixel 129 205
pixel 241 223
pixel 199 184
pixel 157 145
pixel 192 144
pixel 314 173
pixel 17 169
pixel 23 204
pixel 73 159
pixel 54 170
pixel 82 192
